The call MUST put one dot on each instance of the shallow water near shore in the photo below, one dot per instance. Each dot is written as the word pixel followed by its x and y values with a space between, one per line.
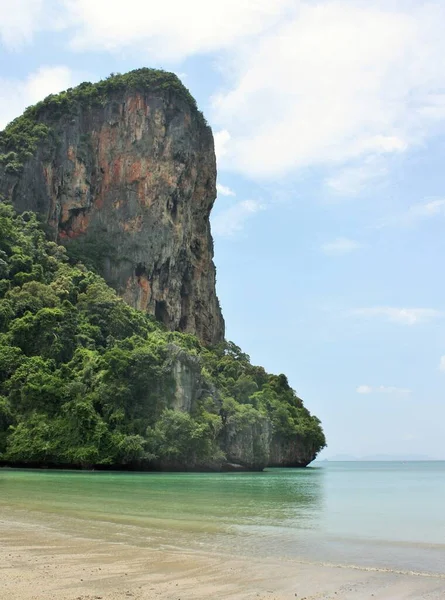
pixel 375 515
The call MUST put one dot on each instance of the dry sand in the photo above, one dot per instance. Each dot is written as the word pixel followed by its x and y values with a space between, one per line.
pixel 39 564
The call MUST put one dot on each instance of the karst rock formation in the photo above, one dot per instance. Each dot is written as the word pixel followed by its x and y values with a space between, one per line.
pixel 124 172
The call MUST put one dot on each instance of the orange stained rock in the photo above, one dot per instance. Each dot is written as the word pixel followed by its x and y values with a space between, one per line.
pixel 134 103
pixel 136 171
pixel 78 226
pixel 133 224
pixel 144 194
pixel 49 179
pixel 99 201
pixel 116 171
pixel 71 154
pixel 145 294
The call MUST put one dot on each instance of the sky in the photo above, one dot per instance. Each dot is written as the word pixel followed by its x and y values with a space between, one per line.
pixel 329 125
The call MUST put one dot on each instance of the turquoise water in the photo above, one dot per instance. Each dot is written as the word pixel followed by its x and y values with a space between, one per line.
pixel 389 515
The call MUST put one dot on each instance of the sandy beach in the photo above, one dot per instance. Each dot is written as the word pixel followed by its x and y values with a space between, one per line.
pixel 37 563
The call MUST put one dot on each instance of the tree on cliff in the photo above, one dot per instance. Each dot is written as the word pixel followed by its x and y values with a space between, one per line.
pixel 87 380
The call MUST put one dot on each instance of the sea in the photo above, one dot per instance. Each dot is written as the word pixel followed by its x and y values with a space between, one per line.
pixel 383 515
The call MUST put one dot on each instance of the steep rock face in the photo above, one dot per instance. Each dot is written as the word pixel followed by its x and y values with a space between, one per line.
pixel 248 445
pixel 129 182
pixel 186 373
pixel 290 453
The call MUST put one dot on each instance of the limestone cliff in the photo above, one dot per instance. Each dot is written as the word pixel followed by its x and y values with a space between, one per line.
pixel 124 174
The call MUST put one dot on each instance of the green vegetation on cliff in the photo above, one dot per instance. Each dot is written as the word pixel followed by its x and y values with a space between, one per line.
pixel 20 138
pixel 86 380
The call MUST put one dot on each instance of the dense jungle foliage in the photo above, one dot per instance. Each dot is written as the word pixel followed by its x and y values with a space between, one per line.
pixel 87 380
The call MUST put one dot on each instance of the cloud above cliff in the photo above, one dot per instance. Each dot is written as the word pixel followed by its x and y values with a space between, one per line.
pixel 16 95
pixel 382 389
pixel 402 316
pixel 18 23
pixel 417 213
pixel 173 29
pixel 342 83
pixel 345 85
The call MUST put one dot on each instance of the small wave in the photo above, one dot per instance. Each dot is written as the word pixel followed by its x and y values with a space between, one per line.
pixel 371 569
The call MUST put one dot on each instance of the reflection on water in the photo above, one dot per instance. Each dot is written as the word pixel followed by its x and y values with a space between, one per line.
pixel 358 513
pixel 213 500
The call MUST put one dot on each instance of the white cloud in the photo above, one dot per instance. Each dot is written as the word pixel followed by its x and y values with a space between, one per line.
pixel 173 29
pixel 382 389
pixel 38 85
pixel 391 389
pixel 352 180
pixel 340 81
pixel 169 31
pixel 416 213
pixel 222 140
pixel 22 19
pixel 442 363
pixel 224 190
pixel 364 389
pixel 403 316
pixel 428 209
pixel 18 21
pixel 340 246
pixel 48 80
pixel 232 220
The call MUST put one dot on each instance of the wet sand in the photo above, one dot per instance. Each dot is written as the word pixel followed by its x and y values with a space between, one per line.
pixel 37 563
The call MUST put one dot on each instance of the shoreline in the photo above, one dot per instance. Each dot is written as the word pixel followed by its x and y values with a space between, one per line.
pixel 226 467
pixel 39 563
